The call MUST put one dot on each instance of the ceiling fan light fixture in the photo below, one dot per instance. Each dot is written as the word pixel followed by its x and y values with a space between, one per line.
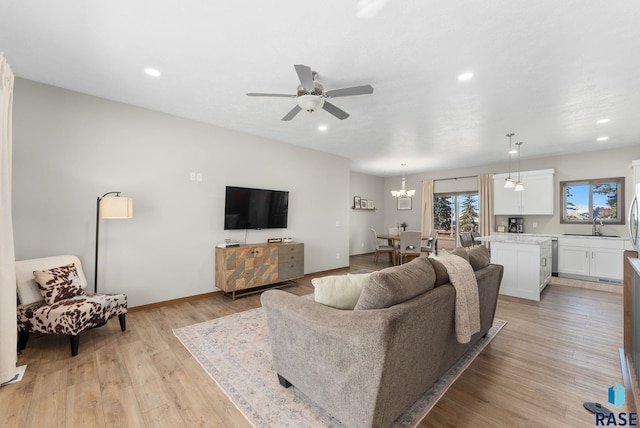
pixel 310 103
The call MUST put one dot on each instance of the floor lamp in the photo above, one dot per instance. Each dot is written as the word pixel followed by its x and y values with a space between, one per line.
pixel 111 207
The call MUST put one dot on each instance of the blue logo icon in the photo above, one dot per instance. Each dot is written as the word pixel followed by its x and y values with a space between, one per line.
pixel 616 395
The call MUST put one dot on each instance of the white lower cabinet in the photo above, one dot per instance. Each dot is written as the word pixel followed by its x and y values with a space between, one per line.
pixel 591 258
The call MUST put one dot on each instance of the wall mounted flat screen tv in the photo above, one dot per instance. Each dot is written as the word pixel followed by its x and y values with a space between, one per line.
pixel 247 208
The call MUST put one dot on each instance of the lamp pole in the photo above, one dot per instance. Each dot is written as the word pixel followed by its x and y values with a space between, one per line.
pixel 95 271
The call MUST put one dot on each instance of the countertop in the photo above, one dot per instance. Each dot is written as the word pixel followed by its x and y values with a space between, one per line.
pixel 515 238
pixel 550 235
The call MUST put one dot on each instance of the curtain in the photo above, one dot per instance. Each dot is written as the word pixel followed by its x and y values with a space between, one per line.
pixel 8 327
pixel 485 196
pixel 427 207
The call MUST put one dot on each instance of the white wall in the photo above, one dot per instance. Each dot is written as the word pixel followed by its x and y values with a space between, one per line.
pixel 362 221
pixel 614 162
pixel 70 148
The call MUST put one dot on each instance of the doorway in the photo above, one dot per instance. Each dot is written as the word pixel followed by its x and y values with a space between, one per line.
pixel 452 214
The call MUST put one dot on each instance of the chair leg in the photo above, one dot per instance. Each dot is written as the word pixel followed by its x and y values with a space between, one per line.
pixel 284 382
pixel 74 339
pixel 375 258
pixel 23 337
pixel 123 322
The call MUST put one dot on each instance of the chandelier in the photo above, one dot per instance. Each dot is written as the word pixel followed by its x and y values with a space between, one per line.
pixel 403 192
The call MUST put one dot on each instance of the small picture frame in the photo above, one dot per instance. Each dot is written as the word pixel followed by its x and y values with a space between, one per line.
pixel 404 204
pixel 363 203
pixel 356 202
pixel 370 204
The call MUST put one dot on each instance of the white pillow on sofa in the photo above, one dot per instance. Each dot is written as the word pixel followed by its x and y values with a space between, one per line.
pixel 339 291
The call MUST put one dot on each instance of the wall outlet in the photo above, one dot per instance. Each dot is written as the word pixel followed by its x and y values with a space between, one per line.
pixel 534 225
pixel 192 176
pixel 338 256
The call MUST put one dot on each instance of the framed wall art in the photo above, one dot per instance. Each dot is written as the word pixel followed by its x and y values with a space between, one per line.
pixel 404 204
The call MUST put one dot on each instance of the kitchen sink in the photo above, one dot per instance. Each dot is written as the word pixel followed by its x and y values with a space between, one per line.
pixel 588 234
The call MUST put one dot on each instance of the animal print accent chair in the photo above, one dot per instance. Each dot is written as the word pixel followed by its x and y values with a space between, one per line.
pixel 68 316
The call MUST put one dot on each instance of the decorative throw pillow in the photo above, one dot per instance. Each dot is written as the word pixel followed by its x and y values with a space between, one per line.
pixel 339 291
pixel 479 257
pixel 397 284
pixel 442 276
pixel 461 252
pixel 59 283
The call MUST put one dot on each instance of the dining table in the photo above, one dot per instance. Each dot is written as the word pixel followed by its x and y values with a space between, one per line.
pixel 394 240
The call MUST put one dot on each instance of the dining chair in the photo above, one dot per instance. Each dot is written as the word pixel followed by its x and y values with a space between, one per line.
pixel 432 243
pixel 409 245
pixel 466 240
pixel 475 234
pixel 383 249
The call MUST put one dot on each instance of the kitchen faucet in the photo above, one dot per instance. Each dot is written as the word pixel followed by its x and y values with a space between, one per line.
pixel 594 230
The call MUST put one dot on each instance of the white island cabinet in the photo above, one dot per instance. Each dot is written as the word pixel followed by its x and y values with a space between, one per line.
pixel 527 263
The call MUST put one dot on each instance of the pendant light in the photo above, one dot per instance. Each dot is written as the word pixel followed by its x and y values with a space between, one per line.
pixel 519 186
pixel 403 192
pixel 508 182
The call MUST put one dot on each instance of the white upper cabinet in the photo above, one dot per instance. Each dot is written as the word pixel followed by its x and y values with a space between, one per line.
pixel 536 199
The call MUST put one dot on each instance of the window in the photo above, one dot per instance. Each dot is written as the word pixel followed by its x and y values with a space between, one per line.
pixel 584 201
pixel 452 214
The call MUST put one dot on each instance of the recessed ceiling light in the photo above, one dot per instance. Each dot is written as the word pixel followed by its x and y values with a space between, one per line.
pixel 605 120
pixel 602 138
pixel 322 128
pixel 152 72
pixel 465 76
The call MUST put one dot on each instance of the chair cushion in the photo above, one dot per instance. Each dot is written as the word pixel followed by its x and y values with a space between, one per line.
pixel 71 316
pixel 339 291
pixel 397 284
pixel 58 283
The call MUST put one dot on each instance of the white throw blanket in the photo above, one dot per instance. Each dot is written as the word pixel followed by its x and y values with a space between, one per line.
pixel 467 308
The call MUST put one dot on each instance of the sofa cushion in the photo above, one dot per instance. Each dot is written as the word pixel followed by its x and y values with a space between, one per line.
pixel 59 283
pixel 442 276
pixel 479 257
pixel 397 284
pixel 339 291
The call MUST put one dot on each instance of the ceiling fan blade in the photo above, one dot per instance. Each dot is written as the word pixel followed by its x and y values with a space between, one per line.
pixel 292 113
pixel 340 114
pixel 345 92
pixel 254 94
pixel 305 75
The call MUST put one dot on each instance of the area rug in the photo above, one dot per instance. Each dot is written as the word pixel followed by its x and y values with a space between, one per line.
pixel 235 351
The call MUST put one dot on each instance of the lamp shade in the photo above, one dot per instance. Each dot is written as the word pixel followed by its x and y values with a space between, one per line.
pixel 116 207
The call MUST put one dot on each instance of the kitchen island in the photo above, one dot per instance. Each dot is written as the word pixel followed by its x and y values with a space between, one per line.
pixel 526 260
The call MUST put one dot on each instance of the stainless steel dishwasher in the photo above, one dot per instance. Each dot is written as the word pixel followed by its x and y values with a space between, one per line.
pixel 554 256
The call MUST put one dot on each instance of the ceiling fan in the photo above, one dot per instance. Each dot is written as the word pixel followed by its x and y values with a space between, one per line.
pixel 311 95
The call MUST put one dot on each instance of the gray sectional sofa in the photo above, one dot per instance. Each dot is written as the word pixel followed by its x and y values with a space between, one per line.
pixel 367 366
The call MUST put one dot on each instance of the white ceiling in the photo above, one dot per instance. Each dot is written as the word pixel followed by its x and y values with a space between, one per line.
pixel 546 70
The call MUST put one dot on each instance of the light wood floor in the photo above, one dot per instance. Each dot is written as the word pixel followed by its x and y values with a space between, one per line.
pixel 550 358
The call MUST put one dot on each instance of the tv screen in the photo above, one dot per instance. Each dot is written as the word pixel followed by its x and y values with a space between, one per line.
pixel 247 208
